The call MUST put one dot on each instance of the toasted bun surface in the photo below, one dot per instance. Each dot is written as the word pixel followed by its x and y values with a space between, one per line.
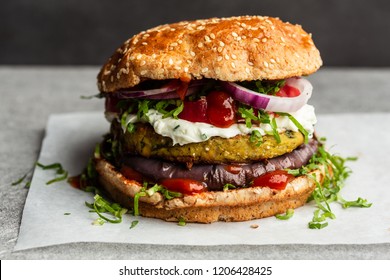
pixel 227 49
pixel 211 206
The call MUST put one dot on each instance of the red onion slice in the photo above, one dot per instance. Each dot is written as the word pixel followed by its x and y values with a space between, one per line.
pixel 269 102
pixel 166 92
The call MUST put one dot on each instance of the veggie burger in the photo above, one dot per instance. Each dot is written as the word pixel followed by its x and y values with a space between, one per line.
pixel 208 117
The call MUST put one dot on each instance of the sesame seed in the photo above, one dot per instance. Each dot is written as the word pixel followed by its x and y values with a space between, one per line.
pixel 207 38
pixel 174 44
pixel 177 67
pixel 272 60
pixel 154 55
pixel 212 36
pixel 222 44
pixel 247 70
pixel 204 70
pixel 256 40
pixel 234 56
pixel 139 56
pixel 143 62
pixel 234 34
pixel 144 43
pixel 200 45
pixel 179 41
pixel 264 40
pixel 173 29
pixel 219 58
pixel 186 69
pixel 227 57
pixel 192 53
pixel 112 79
pixel 250 63
pixel 238 38
pixel 265 64
pixel 219 49
pixel 143 72
pixel 283 40
pixel 233 65
pixel 170 61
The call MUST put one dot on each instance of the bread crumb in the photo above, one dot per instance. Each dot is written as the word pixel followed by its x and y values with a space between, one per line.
pixel 254 226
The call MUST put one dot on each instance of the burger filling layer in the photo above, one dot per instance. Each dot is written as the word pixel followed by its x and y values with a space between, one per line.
pixel 214 133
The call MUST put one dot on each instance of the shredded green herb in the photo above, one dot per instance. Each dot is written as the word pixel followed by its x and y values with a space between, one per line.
pixel 329 190
pixel 289 213
pixel 264 87
pixel 228 186
pixel 275 130
pixel 101 205
pixel 182 222
pixel 256 138
pixel 99 95
pixel 297 124
pixel 20 180
pixel 133 224
pixel 59 171
pixel 23 179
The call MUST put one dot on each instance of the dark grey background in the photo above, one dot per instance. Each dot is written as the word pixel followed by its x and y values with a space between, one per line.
pixel 347 32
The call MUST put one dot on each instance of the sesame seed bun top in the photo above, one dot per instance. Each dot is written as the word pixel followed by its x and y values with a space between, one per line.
pixel 228 49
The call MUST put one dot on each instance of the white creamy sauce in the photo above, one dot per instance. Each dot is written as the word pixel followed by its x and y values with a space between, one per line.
pixel 184 132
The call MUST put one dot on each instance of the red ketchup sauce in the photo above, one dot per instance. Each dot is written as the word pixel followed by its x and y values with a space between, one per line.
pixel 277 180
pixel 184 186
pixel 217 108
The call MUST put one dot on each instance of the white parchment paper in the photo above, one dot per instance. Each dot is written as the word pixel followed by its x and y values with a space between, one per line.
pixel 70 140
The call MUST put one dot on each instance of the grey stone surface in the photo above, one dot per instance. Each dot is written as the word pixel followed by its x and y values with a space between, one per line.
pixel 28 95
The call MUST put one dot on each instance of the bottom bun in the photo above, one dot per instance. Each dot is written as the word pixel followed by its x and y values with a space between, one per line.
pixel 211 206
